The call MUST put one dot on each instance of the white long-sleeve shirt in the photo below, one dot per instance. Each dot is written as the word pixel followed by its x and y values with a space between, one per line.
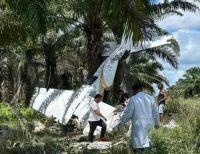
pixel 142 111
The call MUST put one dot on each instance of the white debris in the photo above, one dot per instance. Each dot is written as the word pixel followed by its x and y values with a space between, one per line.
pixel 62 104
pixel 99 145
pixel 80 144
pixel 109 48
pixel 164 40
pixel 38 127
pixel 55 103
pixel 171 124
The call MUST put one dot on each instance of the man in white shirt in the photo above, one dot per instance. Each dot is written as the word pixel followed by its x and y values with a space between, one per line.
pixel 143 113
pixel 95 119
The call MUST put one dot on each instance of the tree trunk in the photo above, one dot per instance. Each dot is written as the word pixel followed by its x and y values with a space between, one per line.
pixel 28 78
pixel 94 33
pixel 7 86
pixel 121 82
pixel 116 90
pixel 51 78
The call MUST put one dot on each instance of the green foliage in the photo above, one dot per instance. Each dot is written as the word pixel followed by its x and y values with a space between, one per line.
pixel 145 69
pixel 172 106
pixel 30 148
pixel 28 113
pixel 182 139
pixel 23 21
pixel 12 30
pixel 179 140
pixel 5 113
pixel 189 86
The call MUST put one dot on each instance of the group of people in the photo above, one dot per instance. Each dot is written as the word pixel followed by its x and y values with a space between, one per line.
pixel 140 108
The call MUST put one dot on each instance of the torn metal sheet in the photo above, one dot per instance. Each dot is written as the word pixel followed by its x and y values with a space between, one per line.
pixel 62 104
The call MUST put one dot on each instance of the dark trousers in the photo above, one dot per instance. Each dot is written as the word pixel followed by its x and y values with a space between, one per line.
pixel 93 126
pixel 141 150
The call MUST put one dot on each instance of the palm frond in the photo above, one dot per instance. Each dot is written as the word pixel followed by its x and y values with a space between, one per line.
pixel 168 52
pixel 144 68
pixel 162 10
pixel 11 29
pixel 32 13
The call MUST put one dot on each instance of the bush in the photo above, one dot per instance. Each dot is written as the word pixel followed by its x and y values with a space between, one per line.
pixel 184 138
pixel 5 113
pixel 30 148
pixel 172 106
pixel 28 113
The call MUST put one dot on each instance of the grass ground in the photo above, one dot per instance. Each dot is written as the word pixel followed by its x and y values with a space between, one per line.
pixel 183 139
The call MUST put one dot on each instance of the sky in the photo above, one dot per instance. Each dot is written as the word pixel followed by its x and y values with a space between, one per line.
pixel 186 30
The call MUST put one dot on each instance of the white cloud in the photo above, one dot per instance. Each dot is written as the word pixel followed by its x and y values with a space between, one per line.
pixel 186 30
pixel 189 41
pixel 188 21
pixel 173 75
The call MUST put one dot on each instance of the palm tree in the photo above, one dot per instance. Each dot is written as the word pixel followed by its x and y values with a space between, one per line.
pixel 146 71
pixel 191 82
pixel 189 85
pixel 141 69
pixel 143 66
pixel 95 20
pixel 94 16
pixel 11 29
pixel 138 16
pixel 7 82
pixel 192 74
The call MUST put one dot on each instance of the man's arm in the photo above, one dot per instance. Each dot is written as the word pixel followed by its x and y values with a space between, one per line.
pixel 128 113
pixel 99 114
pixel 165 96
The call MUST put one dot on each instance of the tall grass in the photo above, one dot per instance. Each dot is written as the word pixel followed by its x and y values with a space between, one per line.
pixel 184 138
pixel 179 140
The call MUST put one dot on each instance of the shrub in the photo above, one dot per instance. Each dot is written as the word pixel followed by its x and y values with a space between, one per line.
pixel 5 113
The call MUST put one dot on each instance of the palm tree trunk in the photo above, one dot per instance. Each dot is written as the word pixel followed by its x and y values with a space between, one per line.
pixel 51 78
pixel 121 82
pixel 94 32
pixel 28 78
pixel 116 84
pixel 7 86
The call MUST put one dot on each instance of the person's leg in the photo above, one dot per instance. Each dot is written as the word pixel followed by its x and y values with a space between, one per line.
pixel 93 125
pixel 161 111
pixel 103 126
pixel 138 150
pixel 161 118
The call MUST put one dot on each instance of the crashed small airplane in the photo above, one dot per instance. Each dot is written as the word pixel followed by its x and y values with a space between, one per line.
pixel 62 104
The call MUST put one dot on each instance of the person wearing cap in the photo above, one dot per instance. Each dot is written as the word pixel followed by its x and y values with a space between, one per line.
pixel 96 118
pixel 142 111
